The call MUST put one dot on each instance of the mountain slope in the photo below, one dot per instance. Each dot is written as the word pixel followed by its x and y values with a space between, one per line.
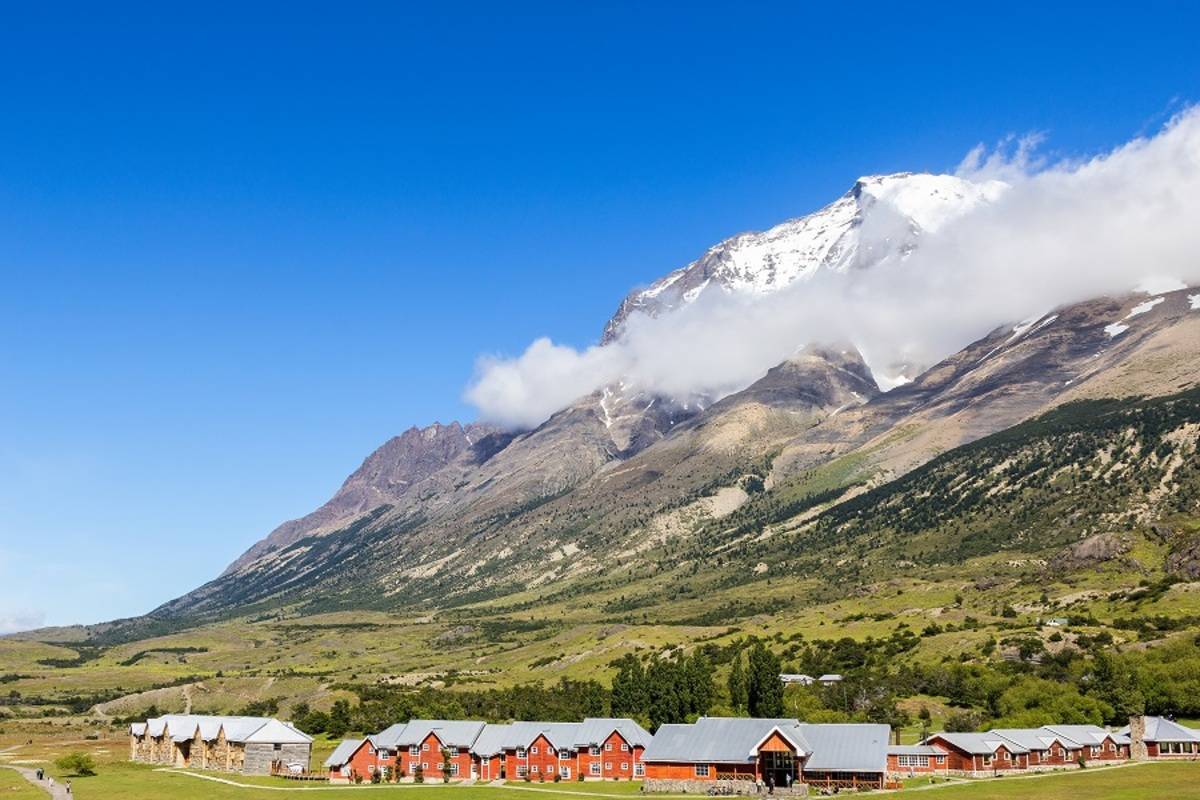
pixel 729 474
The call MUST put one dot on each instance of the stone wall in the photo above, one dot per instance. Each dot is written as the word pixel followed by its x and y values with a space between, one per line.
pixel 735 787
pixel 259 757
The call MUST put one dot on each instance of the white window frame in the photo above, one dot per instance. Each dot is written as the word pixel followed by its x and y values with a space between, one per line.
pixel 624 766
pixel 534 769
pixel 624 747
pixel 608 747
pixel 425 747
pixel 700 770
pixel 453 769
pixel 594 750
pixel 594 768
pixel 453 751
pixel 522 770
pixel 564 754
pixel 533 750
pixel 521 752
pixel 564 771
pixel 639 769
pixel 414 751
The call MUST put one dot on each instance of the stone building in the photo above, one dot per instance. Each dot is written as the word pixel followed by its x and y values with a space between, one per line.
pixel 249 745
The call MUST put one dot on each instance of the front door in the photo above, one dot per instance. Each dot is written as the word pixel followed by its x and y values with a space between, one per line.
pixel 777 767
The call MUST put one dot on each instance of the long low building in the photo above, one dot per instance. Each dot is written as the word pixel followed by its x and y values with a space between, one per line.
pixel 778 752
pixel 1163 738
pixel 600 748
pixel 249 745
pixel 1004 750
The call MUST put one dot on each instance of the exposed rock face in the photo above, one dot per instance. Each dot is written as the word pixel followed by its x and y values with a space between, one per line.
pixel 1090 551
pixel 386 477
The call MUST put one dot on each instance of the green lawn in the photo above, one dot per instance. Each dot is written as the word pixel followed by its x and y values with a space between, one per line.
pixel 14 787
pixel 1160 781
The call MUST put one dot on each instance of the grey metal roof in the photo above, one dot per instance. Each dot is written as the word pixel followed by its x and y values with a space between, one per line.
pixel 847 747
pixel 914 750
pixel 983 744
pixel 451 733
pixel 492 740
pixel 729 740
pixel 341 754
pixel 594 730
pixel 1086 735
pixel 1164 730
pixel 560 734
pixel 138 728
pixel 237 729
pixel 1033 738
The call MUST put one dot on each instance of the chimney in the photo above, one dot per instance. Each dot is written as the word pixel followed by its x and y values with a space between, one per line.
pixel 1137 738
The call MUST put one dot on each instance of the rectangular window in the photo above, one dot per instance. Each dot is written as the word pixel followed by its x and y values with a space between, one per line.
pixel 371 768
pixel 702 770
pixel 414 751
pixel 454 768
pixel 425 747
pixel 424 765
pixel 534 768
pixel 370 750
pixel 941 759
pixel 522 771
pixel 453 751
pixel 594 768
pixel 608 765
pixel 624 748
pixel 608 746
pixel 533 749
pixel 521 752
pixel 987 759
pixel 440 766
pixel 624 766
pixel 594 750
pixel 563 755
pixel 639 769
pixel 564 771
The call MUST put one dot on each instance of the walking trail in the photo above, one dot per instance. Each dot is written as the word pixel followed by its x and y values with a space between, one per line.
pixel 58 792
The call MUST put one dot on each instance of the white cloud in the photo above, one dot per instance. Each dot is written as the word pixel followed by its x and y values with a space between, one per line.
pixel 17 621
pixel 1064 232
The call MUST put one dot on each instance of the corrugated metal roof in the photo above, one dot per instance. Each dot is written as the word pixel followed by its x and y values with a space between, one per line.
pixel 1164 730
pixel 451 733
pixel 847 747
pixel 559 734
pixel 595 730
pixel 914 750
pixel 1032 738
pixel 983 744
pixel 491 741
pixel 1084 734
pixel 729 740
pixel 237 729
pixel 138 728
pixel 276 732
pixel 341 754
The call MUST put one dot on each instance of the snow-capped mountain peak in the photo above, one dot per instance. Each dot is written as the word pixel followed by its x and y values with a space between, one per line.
pixel 835 238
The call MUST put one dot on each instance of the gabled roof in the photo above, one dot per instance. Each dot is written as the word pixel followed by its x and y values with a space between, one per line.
pixel 729 740
pixel 846 747
pixel 980 744
pixel 594 730
pixel 451 733
pixel 560 734
pixel 1033 738
pixel 341 754
pixel 276 732
pixel 138 729
pixel 492 740
pixel 182 727
pixel 1086 735
pixel 1164 730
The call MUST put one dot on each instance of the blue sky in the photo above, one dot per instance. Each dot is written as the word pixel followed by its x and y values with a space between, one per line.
pixel 242 245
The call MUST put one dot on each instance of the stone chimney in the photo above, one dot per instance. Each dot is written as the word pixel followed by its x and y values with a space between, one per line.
pixel 1137 738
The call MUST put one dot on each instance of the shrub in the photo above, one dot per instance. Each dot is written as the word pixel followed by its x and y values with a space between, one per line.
pixel 418 774
pixel 80 764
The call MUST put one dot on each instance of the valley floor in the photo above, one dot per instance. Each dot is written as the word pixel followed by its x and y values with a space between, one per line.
pixel 119 779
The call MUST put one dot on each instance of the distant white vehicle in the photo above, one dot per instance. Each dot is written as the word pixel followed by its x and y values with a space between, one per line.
pixel 295 767
pixel 792 677
pixel 829 679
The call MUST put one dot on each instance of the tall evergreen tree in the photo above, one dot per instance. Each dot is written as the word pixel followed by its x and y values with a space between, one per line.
pixel 629 696
pixel 737 684
pixel 764 689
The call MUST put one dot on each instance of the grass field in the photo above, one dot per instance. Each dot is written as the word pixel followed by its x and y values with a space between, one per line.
pixel 117 779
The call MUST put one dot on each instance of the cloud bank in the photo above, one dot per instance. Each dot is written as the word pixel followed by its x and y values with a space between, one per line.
pixel 1064 232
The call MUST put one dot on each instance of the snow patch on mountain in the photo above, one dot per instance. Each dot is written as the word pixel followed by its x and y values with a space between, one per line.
pixel 1142 308
pixel 1194 299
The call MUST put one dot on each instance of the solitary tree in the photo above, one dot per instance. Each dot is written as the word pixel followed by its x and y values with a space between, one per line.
pixel 80 764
